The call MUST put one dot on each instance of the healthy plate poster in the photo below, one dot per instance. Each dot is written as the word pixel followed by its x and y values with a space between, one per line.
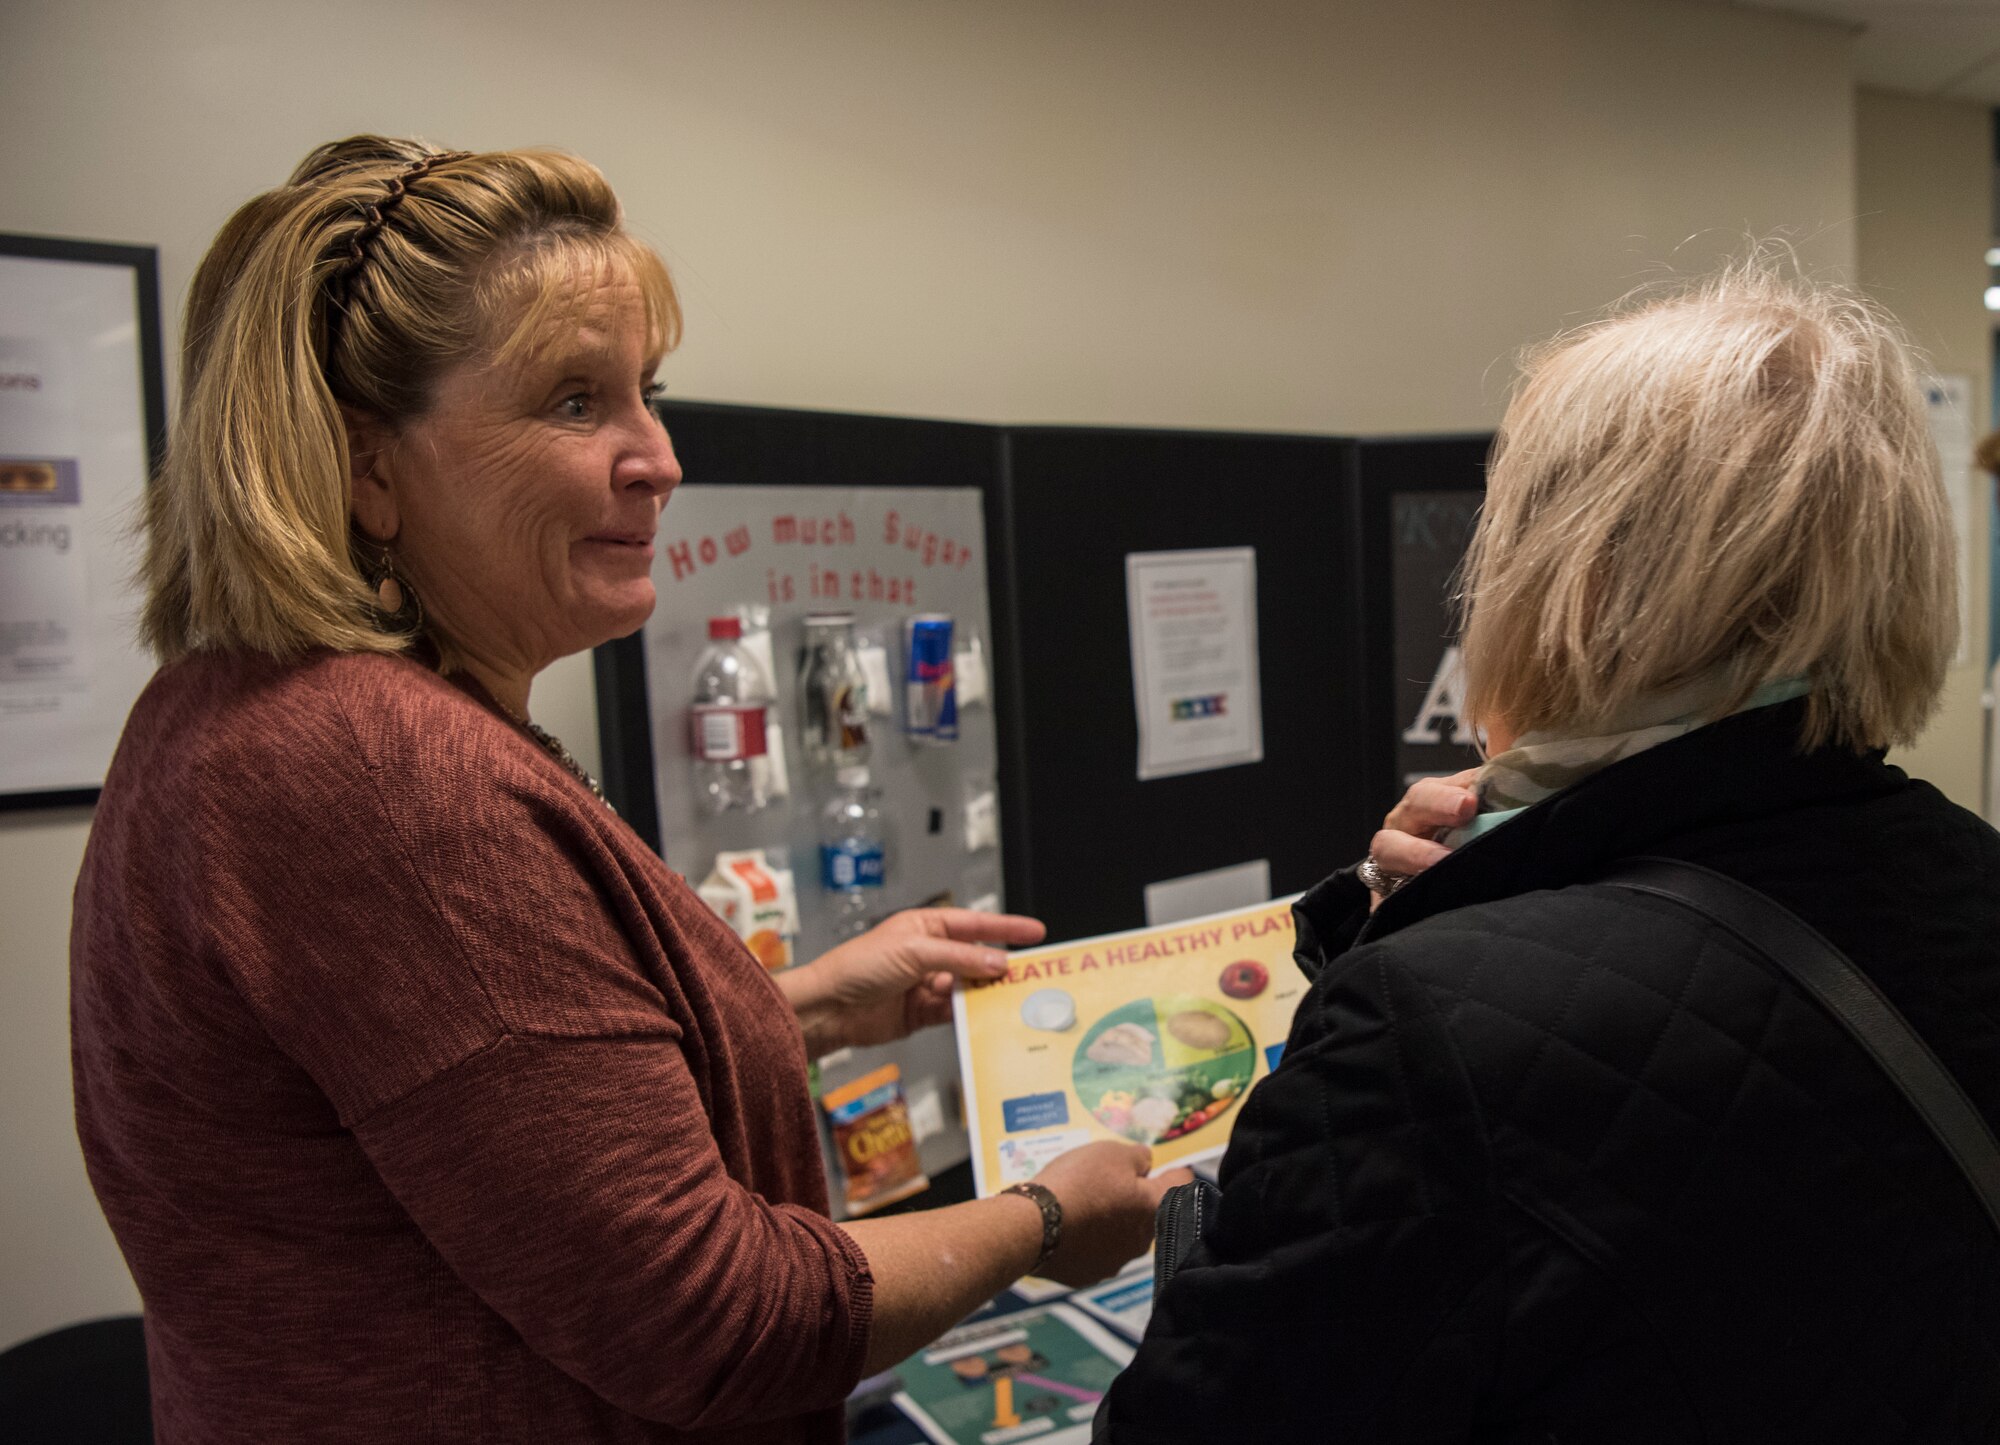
pixel 1153 1036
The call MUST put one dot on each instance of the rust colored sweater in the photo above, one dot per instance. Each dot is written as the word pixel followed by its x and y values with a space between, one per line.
pixel 427 1105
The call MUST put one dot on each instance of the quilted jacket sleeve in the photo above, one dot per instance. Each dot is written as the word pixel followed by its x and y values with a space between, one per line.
pixel 1351 1287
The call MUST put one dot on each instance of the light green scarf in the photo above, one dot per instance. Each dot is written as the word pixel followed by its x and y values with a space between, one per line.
pixel 1540 765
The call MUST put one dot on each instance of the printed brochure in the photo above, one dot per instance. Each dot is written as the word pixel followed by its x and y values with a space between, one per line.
pixel 1125 1303
pixel 1036 1375
pixel 1153 1036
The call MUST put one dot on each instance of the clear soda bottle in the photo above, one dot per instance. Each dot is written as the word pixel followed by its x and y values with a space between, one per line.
pixel 726 722
pixel 853 853
pixel 833 693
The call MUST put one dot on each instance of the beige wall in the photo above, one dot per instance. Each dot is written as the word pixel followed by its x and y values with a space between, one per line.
pixel 58 1262
pixel 1923 186
pixel 1324 214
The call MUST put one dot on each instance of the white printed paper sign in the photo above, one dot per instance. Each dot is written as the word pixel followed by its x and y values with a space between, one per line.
pixel 1195 682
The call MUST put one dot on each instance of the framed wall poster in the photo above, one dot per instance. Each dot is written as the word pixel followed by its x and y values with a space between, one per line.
pixel 82 426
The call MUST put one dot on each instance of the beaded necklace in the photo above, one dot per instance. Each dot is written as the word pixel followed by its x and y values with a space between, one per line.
pixel 553 746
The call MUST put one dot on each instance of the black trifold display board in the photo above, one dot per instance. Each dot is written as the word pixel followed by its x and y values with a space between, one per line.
pixel 1084 832
pixel 1414 500
pixel 1344 570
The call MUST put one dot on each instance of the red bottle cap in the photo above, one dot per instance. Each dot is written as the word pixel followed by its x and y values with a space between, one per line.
pixel 725 629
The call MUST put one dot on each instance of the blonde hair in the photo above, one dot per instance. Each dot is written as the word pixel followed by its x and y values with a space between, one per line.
pixel 1735 482
pixel 379 264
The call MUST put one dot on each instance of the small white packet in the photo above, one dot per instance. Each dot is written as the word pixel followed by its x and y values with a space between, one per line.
pixel 874 660
pixel 970 666
pixel 982 815
pixel 770 770
pixel 926 1106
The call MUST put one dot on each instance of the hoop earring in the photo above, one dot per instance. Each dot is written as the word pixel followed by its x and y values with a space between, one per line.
pixel 397 607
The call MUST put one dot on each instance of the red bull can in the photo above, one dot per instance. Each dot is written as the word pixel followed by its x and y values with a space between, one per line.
pixel 931 691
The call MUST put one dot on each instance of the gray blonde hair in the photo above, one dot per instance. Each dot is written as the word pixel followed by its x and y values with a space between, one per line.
pixel 380 264
pixel 1736 482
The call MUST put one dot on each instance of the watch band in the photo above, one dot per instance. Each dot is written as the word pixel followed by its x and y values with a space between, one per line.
pixel 1052 1216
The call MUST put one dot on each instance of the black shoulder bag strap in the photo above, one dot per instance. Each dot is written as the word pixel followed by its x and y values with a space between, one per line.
pixel 1831 979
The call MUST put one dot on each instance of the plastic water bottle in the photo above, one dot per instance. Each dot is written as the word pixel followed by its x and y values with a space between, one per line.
pixel 833 694
pixel 726 722
pixel 853 853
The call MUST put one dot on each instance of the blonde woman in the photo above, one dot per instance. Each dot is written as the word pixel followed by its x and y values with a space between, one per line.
pixel 1551 1160
pixel 425 1103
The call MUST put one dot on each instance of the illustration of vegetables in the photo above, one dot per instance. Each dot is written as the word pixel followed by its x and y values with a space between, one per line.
pixel 1154 1115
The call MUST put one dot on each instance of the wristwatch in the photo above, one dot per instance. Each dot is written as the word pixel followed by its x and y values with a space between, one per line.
pixel 1051 1207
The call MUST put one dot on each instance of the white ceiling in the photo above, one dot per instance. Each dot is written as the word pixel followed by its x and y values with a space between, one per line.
pixel 1944 48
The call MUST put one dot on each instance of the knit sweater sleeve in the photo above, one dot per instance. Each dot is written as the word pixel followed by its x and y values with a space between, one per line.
pixel 571 1184
pixel 536 1061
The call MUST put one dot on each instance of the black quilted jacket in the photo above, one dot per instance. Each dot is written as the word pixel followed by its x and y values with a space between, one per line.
pixel 1548 1161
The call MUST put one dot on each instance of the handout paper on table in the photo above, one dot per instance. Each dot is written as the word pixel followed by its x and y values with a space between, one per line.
pixel 1153 1036
pixel 1125 1303
pixel 1038 1374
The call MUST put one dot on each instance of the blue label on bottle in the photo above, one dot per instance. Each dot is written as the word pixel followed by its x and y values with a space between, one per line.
pixel 844 866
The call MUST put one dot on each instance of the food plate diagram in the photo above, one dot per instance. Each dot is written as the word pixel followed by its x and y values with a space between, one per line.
pixel 1155 1036
pixel 1160 1067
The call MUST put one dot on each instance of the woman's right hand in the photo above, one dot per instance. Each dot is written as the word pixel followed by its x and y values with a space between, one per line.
pixel 1108 1207
pixel 933 1267
pixel 1407 844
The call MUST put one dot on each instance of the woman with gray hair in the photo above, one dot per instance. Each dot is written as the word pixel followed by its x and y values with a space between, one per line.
pixel 1550 1158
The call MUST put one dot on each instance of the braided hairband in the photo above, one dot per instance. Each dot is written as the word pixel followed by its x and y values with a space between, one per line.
pixel 378 212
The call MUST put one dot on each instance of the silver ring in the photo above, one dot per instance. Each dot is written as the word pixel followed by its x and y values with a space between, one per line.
pixel 1376 879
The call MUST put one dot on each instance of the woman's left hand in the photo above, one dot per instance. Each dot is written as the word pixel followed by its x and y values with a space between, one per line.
pixel 897 977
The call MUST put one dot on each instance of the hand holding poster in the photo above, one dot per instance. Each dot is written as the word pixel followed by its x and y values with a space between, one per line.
pixel 1153 1036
